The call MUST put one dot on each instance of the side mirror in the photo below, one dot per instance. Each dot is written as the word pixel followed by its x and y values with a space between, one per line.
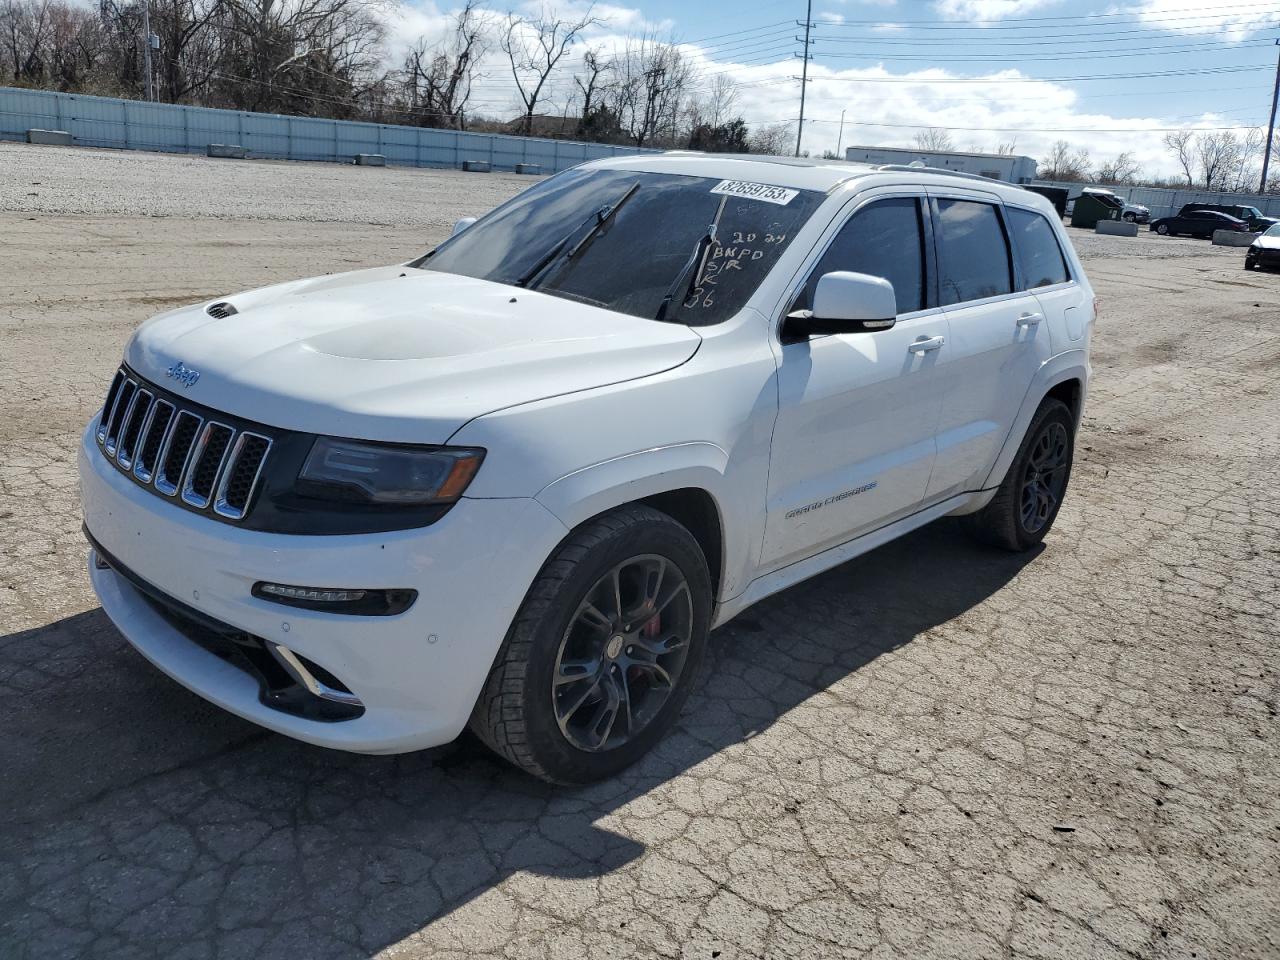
pixel 462 225
pixel 846 302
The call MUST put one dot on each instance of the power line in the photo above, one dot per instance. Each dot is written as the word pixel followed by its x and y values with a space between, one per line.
pixel 1135 15
pixel 1123 36
pixel 1104 20
pixel 777 23
pixel 1026 79
pixel 999 58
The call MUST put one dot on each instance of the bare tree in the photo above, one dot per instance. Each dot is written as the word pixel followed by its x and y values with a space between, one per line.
pixel 1006 148
pixel 535 46
pixel 722 99
pixel 1217 154
pixel 773 139
pixel 188 45
pixel 1065 163
pixel 653 79
pixel 24 32
pixel 1180 142
pixel 590 81
pixel 934 140
pixel 437 80
pixel 1122 168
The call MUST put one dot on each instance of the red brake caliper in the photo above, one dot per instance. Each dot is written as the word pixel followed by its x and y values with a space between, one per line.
pixel 650 629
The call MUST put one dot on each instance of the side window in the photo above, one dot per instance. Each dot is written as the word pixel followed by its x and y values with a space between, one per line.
pixel 1038 249
pixel 883 239
pixel 973 252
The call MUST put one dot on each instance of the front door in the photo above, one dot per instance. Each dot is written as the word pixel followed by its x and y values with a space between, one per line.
pixel 853 444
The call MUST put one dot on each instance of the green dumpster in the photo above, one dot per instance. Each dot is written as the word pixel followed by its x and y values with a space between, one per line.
pixel 1091 207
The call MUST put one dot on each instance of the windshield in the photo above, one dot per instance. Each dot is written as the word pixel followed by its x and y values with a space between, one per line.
pixel 624 240
pixel 1247 212
pixel 1273 231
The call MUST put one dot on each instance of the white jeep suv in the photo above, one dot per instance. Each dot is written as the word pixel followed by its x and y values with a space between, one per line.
pixel 515 482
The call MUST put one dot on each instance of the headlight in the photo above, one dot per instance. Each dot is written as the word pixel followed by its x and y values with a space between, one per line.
pixel 383 473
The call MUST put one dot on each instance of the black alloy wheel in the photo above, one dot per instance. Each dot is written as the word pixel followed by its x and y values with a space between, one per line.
pixel 623 653
pixel 1044 477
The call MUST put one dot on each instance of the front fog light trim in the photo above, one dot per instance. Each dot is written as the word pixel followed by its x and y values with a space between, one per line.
pixel 352 601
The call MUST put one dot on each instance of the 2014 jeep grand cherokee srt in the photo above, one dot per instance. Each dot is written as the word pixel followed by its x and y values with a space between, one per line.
pixel 514 483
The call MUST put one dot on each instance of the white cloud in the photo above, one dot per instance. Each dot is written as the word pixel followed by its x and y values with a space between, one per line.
pixel 1233 20
pixel 989 9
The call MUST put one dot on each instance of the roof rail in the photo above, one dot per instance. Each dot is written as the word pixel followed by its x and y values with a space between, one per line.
pixel 912 168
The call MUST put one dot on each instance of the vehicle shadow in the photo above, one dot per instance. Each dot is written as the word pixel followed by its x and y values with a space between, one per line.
pixel 143 819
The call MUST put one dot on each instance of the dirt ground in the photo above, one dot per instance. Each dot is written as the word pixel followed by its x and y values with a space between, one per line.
pixel 931 751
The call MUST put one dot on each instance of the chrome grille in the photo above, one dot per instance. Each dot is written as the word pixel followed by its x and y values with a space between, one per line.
pixel 175 451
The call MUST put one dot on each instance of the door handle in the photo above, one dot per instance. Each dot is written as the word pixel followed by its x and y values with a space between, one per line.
pixel 1030 319
pixel 925 344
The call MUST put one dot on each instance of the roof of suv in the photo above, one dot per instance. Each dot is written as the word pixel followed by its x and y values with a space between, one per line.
pixel 801 173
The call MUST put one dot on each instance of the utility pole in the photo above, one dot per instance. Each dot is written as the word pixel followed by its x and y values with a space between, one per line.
pixel 1271 127
pixel 840 139
pixel 146 47
pixel 804 71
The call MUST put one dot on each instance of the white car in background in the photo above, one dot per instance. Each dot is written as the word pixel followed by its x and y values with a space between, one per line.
pixel 515 482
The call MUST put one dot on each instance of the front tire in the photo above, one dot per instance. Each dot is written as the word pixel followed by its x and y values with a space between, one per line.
pixel 1024 508
pixel 604 650
pixel 1162 229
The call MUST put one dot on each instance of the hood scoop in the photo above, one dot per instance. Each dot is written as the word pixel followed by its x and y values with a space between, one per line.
pixel 221 310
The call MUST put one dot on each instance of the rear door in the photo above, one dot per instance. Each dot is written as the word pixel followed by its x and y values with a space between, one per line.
pixel 997 337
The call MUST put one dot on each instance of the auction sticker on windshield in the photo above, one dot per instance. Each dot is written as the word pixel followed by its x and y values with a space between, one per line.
pixel 756 191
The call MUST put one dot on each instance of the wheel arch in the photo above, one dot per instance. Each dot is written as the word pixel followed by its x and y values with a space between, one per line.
pixel 1064 377
pixel 685 481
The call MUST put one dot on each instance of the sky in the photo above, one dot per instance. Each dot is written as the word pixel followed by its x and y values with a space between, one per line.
pixel 1106 76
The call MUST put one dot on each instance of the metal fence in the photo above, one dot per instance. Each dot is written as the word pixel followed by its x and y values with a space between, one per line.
pixel 1164 202
pixel 174 128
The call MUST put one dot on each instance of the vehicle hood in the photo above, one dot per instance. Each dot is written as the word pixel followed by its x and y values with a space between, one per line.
pixel 396 353
pixel 1267 243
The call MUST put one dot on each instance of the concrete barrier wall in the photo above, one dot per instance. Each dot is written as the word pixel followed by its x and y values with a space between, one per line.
pixel 174 128
pixel 1233 238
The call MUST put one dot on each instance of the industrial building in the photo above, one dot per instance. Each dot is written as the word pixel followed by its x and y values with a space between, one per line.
pixel 997 166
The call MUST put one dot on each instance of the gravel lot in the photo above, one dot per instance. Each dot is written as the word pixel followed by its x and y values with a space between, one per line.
pixel 932 751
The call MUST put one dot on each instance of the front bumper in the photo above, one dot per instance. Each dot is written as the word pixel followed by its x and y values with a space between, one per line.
pixel 1266 257
pixel 417 674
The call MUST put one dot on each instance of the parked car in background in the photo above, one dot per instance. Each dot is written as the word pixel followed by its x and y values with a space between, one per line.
pixel 1198 223
pixel 1250 215
pixel 513 483
pixel 1264 252
pixel 1136 213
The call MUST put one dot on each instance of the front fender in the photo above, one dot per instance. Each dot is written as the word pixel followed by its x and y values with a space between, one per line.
pixel 591 491
pixel 1070 365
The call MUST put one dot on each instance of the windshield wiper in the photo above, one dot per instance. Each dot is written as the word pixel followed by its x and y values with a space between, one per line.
pixel 698 259
pixel 589 229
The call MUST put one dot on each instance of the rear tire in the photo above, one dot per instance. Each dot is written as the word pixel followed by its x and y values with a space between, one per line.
pixel 604 651
pixel 1027 502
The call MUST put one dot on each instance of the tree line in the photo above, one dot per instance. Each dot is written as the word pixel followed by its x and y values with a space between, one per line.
pixel 327 58
pixel 1218 160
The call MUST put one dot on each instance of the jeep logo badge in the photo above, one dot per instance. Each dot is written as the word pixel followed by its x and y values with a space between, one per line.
pixel 183 374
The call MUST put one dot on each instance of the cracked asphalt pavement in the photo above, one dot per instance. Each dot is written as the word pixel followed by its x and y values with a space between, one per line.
pixel 931 751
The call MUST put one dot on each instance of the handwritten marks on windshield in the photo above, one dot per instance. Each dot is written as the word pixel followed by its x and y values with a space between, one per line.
pixel 742 251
